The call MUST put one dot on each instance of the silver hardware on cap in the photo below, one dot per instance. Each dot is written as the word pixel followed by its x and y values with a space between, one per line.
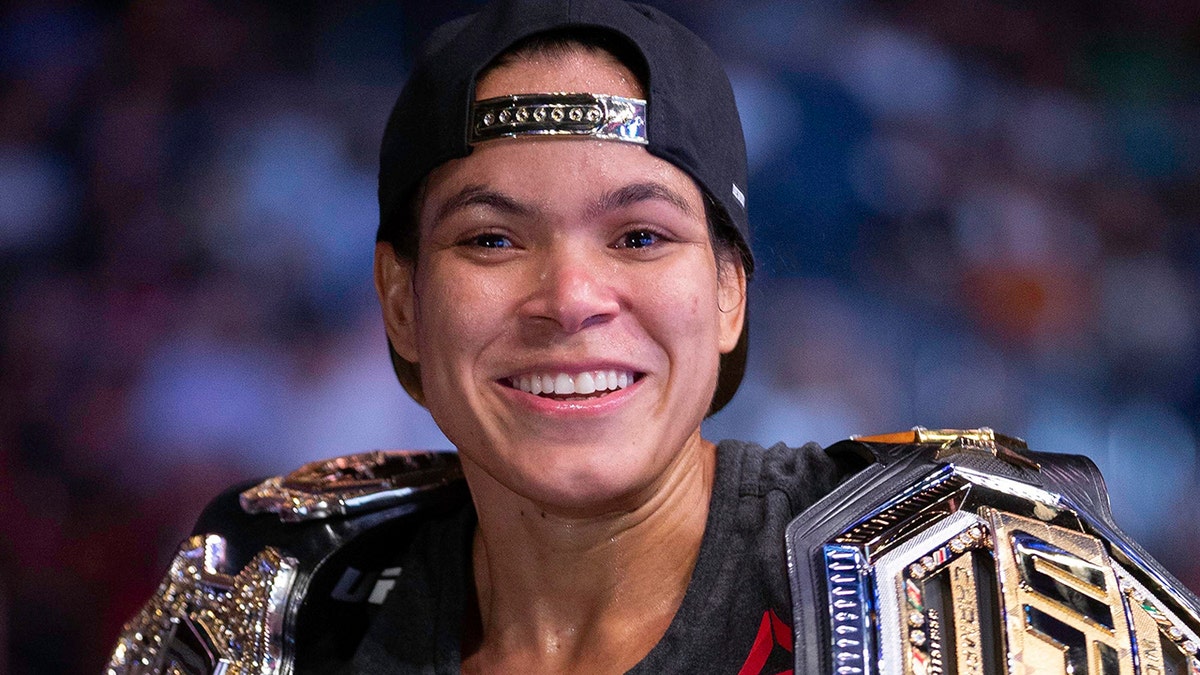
pixel 610 118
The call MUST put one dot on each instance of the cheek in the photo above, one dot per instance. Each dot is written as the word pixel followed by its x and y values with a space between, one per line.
pixel 456 314
pixel 684 302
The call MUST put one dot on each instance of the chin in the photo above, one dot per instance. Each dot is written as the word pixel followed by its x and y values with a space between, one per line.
pixel 588 481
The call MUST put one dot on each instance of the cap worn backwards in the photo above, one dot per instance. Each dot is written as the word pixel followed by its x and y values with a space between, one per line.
pixel 690 118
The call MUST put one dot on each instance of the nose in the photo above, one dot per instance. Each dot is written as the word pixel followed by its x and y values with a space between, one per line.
pixel 573 290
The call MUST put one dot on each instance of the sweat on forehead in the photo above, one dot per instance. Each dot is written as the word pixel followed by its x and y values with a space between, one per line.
pixel 479 196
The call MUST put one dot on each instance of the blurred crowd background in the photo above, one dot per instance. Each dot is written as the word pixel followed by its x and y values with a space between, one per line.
pixel 966 214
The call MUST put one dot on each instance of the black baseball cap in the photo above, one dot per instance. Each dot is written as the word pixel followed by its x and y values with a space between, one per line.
pixel 690 118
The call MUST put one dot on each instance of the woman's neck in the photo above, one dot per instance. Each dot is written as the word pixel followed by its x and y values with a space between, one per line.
pixel 561 592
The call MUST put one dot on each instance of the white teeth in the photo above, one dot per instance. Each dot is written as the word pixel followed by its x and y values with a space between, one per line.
pixel 584 384
pixel 564 384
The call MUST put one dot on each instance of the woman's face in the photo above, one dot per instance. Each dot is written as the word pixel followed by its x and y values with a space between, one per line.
pixel 580 265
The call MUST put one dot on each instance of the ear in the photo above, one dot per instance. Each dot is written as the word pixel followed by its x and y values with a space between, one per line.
pixel 731 302
pixel 394 284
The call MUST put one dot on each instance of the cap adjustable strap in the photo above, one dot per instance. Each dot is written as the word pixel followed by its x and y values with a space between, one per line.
pixel 613 118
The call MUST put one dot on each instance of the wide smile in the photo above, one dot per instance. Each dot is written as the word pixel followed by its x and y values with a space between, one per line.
pixel 572 386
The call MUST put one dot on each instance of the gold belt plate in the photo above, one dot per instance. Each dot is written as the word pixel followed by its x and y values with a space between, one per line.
pixel 967 572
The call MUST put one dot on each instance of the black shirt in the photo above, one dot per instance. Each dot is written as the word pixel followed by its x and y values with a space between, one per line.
pixel 735 616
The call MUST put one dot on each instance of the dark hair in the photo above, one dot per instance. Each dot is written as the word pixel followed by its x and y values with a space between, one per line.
pixel 722 233
pixel 563 41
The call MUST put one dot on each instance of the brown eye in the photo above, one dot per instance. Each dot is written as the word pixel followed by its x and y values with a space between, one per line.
pixel 638 239
pixel 489 240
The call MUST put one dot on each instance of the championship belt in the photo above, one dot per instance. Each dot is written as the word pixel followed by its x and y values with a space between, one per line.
pixel 303 554
pixel 961 552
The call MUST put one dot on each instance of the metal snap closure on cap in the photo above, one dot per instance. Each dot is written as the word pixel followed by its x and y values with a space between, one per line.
pixel 599 116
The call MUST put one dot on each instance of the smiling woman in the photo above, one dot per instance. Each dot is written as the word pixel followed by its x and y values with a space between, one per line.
pixel 562 265
pixel 592 264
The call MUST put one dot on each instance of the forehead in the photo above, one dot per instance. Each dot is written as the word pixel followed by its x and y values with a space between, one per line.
pixel 576 71
pixel 556 174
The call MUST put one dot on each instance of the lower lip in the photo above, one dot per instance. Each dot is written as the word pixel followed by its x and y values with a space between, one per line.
pixel 577 409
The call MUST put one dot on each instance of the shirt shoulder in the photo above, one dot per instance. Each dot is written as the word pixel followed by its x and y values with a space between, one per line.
pixel 801 475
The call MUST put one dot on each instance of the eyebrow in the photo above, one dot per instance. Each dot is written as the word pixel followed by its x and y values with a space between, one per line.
pixel 633 193
pixel 622 197
pixel 478 195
